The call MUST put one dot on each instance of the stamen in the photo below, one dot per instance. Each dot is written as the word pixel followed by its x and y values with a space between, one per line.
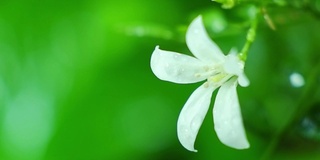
pixel 219 79
pixel 208 72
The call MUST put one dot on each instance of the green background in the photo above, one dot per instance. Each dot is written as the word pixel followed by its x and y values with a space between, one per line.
pixel 76 83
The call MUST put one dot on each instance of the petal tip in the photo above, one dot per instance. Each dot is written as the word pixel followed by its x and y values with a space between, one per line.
pixel 186 138
pixel 246 145
pixel 237 145
pixel 199 18
pixel 186 143
pixel 200 44
pixel 243 81
pixel 190 148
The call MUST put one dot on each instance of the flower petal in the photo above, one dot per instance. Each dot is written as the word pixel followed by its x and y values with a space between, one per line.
pixel 227 117
pixel 176 67
pixel 200 43
pixel 243 80
pixel 192 115
pixel 233 65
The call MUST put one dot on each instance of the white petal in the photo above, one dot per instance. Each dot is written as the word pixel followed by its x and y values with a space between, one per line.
pixel 192 115
pixel 200 43
pixel 176 67
pixel 233 51
pixel 243 80
pixel 227 117
pixel 233 65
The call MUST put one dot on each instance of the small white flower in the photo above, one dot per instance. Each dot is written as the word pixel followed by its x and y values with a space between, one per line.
pixel 212 65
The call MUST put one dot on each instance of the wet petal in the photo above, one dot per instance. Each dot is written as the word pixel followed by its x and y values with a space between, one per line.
pixel 227 117
pixel 200 43
pixel 192 115
pixel 176 67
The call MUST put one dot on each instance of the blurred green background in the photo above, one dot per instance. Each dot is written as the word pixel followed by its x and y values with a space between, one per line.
pixel 75 80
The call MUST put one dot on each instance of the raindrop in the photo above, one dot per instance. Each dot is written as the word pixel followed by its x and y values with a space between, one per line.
pixel 196 122
pixel 167 65
pixel 176 56
pixel 185 132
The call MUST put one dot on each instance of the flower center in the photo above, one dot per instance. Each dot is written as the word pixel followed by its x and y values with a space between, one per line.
pixel 215 75
pixel 218 79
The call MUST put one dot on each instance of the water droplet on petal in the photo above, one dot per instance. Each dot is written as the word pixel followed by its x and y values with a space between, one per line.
pixel 196 123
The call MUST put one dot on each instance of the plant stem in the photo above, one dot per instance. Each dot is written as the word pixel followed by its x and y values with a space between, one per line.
pixel 250 38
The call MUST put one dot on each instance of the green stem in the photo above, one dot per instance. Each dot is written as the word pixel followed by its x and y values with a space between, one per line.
pixel 250 38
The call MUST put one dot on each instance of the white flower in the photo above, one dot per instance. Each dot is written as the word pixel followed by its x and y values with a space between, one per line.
pixel 218 70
